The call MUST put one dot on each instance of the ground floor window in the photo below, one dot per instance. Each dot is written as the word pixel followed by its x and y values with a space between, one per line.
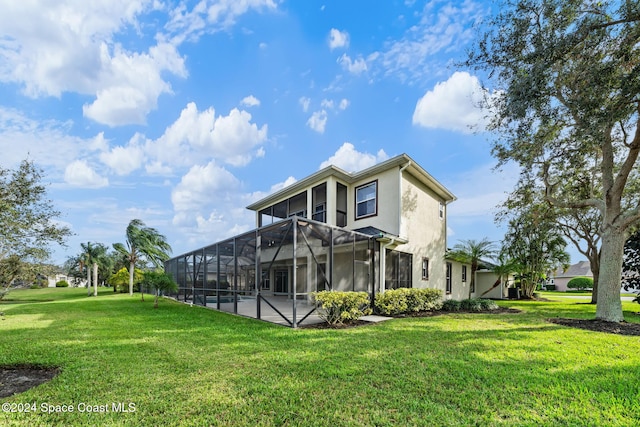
pixel 449 267
pixel 398 270
pixel 425 268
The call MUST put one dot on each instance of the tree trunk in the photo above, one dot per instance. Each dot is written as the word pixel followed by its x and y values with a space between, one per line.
pixel 95 279
pixel 131 269
pixel 609 307
pixel 595 270
pixel 88 281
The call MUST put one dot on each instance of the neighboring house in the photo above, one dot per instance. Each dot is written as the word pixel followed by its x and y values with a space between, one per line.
pixel 73 282
pixel 562 277
pixel 381 228
pixel 52 280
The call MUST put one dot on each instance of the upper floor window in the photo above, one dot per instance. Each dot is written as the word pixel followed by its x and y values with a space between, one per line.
pixel 366 200
pixel 425 268
pixel 441 210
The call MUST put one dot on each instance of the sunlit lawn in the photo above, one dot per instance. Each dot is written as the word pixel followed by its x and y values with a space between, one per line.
pixel 182 365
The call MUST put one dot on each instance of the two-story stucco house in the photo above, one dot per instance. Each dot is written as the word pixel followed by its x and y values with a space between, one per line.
pixel 381 228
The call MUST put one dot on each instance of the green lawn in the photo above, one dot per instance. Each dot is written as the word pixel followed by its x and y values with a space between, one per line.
pixel 181 365
pixel 551 294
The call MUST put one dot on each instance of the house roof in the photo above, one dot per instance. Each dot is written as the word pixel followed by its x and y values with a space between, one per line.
pixel 402 160
pixel 582 268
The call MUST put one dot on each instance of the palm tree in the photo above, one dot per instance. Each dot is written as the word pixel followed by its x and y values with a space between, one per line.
pixel 93 255
pixel 143 243
pixel 503 269
pixel 471 252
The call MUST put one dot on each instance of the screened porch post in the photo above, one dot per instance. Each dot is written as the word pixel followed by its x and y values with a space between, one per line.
pixel 331 259
pixel 235 277
pixel 217 276
pixel 258 279
pixel 295 255
pixel 353 262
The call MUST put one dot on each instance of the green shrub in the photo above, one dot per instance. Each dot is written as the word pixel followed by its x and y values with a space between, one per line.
pixel 580 283
pixel 451 305
pixel 473 304
pixel 488 305
pixel 391 302
pixel 62 284
pixel 551 287
pixel 407 300
pixel 336 307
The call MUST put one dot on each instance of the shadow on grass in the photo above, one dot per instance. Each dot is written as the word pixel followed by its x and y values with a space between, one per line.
pixel 189 363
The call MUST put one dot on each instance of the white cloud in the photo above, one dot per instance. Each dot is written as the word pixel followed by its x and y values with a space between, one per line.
pixel 233 139
pixel 304 103
pixel 344 103
pixel 130 84
pixel 318 121
pixel 250 101
pixel 287 182
pixel 80 174
pixel 352 160
pixel 326 103
pixel 443 27
pixel 70 46
pixel 201 186
pixel 453 104
pixel 209 205
pixel 60 147
pixel 209 16
pixel 124 160
pixel 357 66
pixel 338 39
pixel 480 190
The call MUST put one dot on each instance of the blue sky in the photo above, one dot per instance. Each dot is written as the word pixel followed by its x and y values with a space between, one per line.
pixel 183 113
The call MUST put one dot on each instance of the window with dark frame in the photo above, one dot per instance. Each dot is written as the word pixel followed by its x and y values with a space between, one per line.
pixel 425 268
pixel 398 270
pixel 449 267
pixel 341 205
pixel 319 202
pixel 367 200
pixel 464 273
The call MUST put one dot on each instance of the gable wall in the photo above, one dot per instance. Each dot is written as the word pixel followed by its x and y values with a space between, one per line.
pixel 424 229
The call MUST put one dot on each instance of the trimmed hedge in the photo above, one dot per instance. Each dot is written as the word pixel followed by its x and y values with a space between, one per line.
pixel 407 300
pixel 580 283
pixel 335 307
pixel 62 284
pixel 473 304
pixel 451 305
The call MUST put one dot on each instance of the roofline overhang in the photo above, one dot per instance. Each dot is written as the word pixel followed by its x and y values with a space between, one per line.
pixel 390 238
pixel 349 178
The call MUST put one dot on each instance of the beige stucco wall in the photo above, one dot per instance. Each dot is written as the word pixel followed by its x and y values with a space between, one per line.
pixel 425 230
pixel 561 283
pixel 459 289
pixel 485 281
pixel 387 218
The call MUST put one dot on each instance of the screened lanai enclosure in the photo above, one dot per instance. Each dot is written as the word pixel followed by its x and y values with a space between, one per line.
pixel 269 273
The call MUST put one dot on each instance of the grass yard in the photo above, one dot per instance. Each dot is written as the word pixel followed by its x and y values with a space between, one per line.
pixel 189 366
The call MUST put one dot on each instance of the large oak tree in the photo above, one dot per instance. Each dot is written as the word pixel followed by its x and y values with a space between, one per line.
pixel 567 109
pixel 28 224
